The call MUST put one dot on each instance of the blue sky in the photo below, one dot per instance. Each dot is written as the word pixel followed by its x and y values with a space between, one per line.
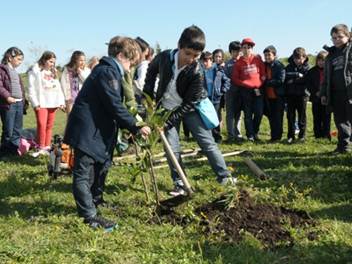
pixel 64 26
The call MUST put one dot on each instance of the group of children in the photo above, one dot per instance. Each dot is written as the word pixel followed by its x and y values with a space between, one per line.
pixel 98 101
pixel 259 87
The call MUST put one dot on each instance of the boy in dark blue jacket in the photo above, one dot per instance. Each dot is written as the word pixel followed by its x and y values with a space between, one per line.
pixel 274 92
pixel 217 84
pixel 92 127
pixel 296 93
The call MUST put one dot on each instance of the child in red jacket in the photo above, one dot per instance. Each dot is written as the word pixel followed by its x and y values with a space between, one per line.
pixel 249 74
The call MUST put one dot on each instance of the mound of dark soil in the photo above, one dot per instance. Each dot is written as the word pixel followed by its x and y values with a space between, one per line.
pixel 264 221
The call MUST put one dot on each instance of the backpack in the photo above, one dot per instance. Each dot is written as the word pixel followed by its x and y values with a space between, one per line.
pixel 61 158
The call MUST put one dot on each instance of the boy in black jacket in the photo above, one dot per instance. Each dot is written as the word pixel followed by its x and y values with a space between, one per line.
pixel 180 88
pixel 336 91
pixel 321 115
pixel 296 93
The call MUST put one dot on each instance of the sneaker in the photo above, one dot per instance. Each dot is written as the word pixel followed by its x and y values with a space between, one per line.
pixel 290 140
pixel 251 139
pixel 227 181
pixel 40 152
pixel 96 222
pixel 178 190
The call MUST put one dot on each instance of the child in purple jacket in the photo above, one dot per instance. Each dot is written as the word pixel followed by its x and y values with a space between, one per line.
pixel 12 98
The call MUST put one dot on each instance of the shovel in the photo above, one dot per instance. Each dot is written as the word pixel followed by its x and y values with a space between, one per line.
pixel 177 200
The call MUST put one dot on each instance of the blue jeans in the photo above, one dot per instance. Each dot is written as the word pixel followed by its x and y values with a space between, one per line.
pixel 233 104
pixel 12 122
pixel 88 182
pixel 253 111
pixel 206 142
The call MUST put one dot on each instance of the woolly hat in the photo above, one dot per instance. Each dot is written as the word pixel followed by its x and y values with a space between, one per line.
pixel 248 41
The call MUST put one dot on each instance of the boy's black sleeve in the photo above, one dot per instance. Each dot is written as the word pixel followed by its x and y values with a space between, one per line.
pixel 324 88
pixel 196 92
pixel 226 83
pixel 150 79
pixel 309 82
pixel 110 94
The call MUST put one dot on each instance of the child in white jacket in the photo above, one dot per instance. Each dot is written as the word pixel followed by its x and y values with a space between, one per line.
pixel 46 96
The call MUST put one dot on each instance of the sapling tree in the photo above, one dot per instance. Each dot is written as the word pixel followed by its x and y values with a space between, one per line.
pixel 154 118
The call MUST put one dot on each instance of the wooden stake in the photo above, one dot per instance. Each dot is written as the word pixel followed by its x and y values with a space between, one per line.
pixel 229 154
pixel 255 169
pixel 175 163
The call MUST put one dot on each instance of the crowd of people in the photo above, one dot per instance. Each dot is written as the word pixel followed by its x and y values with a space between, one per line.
pixel 99 98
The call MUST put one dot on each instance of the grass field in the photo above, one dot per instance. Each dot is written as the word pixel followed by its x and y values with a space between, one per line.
pixel 38 221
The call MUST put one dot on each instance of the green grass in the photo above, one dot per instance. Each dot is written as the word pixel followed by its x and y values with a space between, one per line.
pixel 38 221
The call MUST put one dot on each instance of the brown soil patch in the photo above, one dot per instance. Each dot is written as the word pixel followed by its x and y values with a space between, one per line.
pixel 264 221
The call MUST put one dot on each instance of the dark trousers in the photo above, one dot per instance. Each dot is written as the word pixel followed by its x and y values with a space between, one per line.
pixel 275 108
pixel 253 111
pixel 321 120
pixel 12 122
pixel 186 131
pixel 216 131
pixel 342 110
pixel 88 182
pixel 233 104
pixel 296 104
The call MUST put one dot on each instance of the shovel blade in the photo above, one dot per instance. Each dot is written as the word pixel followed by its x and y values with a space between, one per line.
pixel 175 201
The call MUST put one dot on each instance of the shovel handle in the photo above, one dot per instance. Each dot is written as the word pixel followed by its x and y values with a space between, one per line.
pixel 174 161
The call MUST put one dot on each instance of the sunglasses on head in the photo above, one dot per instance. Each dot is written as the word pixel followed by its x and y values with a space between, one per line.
pixel 16 52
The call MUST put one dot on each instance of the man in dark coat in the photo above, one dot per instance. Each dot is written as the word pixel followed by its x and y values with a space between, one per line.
pixel 92 127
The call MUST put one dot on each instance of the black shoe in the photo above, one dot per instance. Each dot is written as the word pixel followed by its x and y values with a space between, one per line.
pixel 218 141
pixel 239 139
pixel 339 151
pixel 96 222
pixel 104 204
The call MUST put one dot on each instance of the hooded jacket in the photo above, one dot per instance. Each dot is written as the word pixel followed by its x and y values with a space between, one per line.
pixel 295 83
pixel 221 84
pixel 326 85
pixel 248 72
